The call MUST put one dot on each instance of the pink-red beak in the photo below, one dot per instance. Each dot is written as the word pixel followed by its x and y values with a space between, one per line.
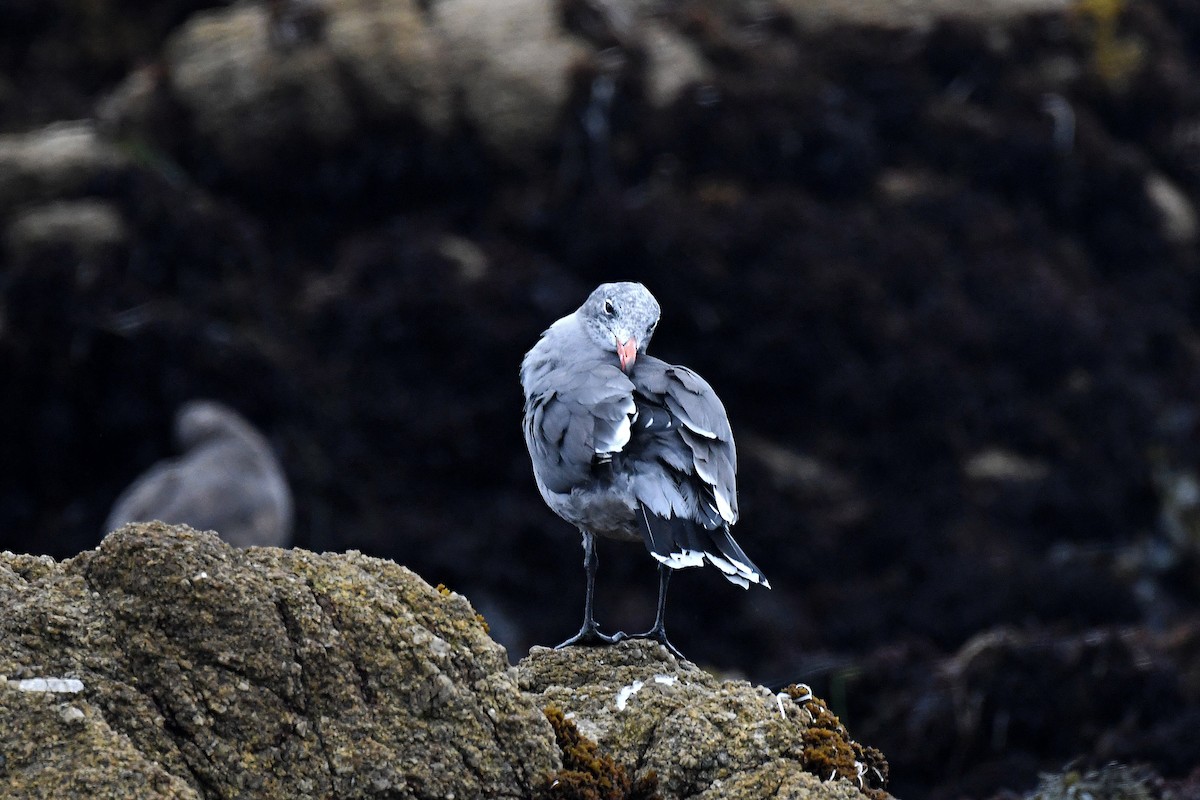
pixel 627 352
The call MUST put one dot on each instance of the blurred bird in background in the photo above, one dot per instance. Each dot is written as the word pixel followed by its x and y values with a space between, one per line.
pixel 227 480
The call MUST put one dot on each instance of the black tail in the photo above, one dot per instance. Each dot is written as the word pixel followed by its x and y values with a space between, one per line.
pixel 680 543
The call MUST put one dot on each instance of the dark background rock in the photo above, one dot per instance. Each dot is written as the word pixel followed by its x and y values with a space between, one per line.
pixel 942 278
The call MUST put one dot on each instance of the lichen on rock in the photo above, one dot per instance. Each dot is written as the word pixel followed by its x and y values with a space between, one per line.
pixel 220 672
pixel 168 664
pixel 701 736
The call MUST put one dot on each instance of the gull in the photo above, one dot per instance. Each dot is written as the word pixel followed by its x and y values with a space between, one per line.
pixel 631 448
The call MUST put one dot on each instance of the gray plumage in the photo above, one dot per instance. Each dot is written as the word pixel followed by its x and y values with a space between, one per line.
pixel 227 480
pixel 627 446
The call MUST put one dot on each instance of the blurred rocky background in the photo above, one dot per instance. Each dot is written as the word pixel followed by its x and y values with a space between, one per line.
pixel 938 257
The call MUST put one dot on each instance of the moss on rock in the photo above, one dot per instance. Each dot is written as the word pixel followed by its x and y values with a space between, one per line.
pixel 701 736
pixel 211 671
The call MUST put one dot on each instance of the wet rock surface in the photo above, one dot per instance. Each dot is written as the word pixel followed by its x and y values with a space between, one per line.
pixel 941 273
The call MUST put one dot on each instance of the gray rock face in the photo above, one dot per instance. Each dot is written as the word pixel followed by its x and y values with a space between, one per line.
pixel 209 671
pixel 246 96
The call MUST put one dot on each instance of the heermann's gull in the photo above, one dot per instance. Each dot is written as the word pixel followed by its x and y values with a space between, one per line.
pixel 227 480
pixel 629 447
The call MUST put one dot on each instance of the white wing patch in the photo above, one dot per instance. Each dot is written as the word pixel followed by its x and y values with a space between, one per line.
pixel 682 559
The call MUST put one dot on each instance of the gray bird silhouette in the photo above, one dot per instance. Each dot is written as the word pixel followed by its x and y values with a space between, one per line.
pixel 632 448
pixel 227 480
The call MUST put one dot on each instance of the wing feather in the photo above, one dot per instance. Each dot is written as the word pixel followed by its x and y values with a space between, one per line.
pixel 586 417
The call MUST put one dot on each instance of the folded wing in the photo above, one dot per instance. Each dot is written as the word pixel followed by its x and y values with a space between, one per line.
pixel 683 467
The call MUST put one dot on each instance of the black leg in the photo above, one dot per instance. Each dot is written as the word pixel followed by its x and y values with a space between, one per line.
pixel 590 633
pixel 659 632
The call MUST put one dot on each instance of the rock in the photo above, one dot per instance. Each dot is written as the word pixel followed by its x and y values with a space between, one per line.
pixel 1013 686
pixel 250 98
pixel 998 464
pixel 702 736
pixel 211 671
pixel 511 62
pixel 912 13
pixel 1113 781
pixel 673 63
pixel 246 96
pixel 46 748
pixel 92 232
pixel 66 159
pixel 1176 212
pixel 394 59
pixel 166 663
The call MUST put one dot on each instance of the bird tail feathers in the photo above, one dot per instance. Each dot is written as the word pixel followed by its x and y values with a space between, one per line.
pixel 681 543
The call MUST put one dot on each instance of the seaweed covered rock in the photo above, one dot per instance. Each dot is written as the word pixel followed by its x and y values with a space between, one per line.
pixel 254 80
pixel 63 160
pixel 697 735
pixel 165 663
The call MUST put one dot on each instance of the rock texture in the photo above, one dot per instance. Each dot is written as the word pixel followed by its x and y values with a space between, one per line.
pixel 701 736
pixel 63 160
pixel 167 664
pixel 912 13
pixel 251 86
pixel 956 263
pixel 208 671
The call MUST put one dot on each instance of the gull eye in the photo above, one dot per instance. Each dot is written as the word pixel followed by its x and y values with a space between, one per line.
pixel 609 308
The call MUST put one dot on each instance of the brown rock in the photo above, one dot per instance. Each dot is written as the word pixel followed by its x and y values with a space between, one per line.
pixel 511 61
pixel 395 60
pixel 246 95
pixel 211 671
pixel 701 736
pixel 61 160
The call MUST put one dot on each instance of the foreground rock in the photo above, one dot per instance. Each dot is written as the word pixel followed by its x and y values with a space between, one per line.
pixel 206 671
pixel 167 664
pixel 702 737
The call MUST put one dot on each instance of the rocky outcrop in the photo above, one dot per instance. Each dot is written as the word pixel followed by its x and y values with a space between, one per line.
pixel 250 85
pixel 63 160
pixel 701 736
pixel 193 669
pixel 47 177
pixel 912 13
pixel 253 86
pixel 167 664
